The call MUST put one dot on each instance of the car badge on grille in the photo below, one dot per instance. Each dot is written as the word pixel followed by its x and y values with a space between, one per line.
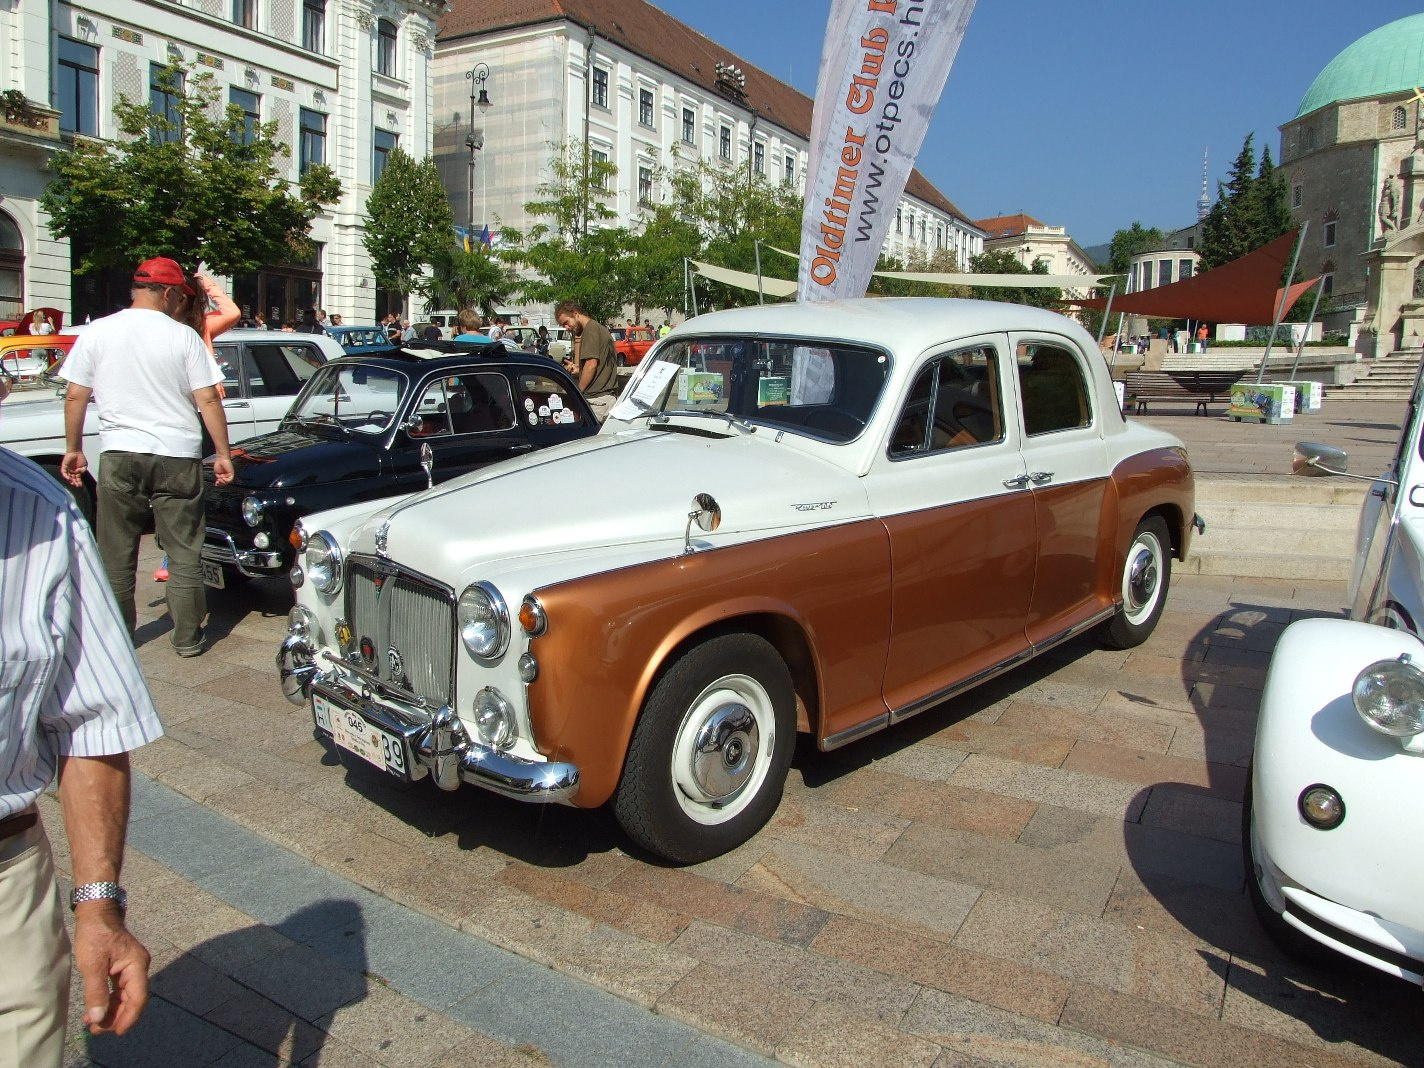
pixel 383 533
pixel 397 665
pixel 343 633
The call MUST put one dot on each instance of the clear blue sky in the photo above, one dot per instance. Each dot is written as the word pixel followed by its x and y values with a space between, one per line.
pixel 1090 116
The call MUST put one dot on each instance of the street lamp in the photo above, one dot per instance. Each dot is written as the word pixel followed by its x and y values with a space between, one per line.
pixel 475 140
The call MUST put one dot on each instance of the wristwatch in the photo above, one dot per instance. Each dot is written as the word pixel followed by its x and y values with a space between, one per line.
pixel 99 892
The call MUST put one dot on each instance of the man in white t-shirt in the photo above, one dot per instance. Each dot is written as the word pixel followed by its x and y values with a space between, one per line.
pixel 152 380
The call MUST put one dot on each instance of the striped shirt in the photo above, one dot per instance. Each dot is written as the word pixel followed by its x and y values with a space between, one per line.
pixel 70 684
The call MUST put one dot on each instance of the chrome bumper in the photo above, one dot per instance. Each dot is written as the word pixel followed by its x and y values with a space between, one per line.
pixel 219 548
pixel 436 741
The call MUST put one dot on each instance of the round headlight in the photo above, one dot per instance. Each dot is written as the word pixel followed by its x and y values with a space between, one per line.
pixel 324 562
pixel 1389 696
pixel 494 719
pixel 484 621
pixel 251 511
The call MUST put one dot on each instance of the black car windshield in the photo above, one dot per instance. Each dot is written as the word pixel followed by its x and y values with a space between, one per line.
pixel 358 397
pixel 823 389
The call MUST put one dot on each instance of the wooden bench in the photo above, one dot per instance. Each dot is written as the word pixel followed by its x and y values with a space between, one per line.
pixel 1196 387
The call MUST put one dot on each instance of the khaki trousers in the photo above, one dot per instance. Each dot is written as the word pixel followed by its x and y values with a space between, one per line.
pixel 34 962
pixel 132 484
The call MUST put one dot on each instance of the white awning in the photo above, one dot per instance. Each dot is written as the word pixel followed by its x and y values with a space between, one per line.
pixel 772 287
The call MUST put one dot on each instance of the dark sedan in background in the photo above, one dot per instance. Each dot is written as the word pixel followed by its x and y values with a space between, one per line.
pixel 358 431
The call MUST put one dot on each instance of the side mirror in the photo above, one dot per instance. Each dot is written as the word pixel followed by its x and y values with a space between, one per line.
pixel 706 513
pixel 1313 459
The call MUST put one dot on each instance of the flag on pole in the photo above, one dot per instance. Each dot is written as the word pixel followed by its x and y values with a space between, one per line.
pixel 485 236
pixel 883 67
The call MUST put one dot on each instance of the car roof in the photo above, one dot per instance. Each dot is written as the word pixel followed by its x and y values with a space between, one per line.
pixel 420 355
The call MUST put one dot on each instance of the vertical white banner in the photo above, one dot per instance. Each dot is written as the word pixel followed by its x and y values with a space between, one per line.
pixel 883 67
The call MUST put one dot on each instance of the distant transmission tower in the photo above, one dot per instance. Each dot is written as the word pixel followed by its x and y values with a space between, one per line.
pixel 1204 201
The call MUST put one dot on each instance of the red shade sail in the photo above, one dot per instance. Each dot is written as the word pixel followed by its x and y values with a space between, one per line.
pixel 1246 290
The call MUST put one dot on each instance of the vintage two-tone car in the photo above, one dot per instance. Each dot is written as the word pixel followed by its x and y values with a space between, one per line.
pixel 891 501
pixel 369 427
pixel 1338 768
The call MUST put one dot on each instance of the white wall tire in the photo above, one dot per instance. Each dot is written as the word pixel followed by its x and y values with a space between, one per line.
pixel 708 758
pixel 1146 574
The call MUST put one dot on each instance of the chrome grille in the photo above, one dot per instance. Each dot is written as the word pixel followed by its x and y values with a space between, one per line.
pixel 398 610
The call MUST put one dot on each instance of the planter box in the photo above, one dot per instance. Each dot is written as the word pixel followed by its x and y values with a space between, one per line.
pixel 1267 402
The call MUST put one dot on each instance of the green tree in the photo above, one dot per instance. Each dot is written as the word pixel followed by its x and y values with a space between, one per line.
pixel 195 184
pixel 653 268
pixel 478 279
pixel 408 221
pixel 1270 202
pixel 1129 243
pixel 1230 229
pixel 1003 261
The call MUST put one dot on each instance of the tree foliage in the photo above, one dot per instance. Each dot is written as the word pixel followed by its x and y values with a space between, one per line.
pixel 1251 209
pixel 478 279
pixel 1129 243
pixel 408 221
pixel 191 184
pixel 1003 261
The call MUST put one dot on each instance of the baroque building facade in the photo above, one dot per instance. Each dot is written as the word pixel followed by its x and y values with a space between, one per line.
pixel 344 81
pixel 644 91
pixel 1030 241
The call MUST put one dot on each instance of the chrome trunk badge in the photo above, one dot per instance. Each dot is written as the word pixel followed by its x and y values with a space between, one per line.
pixel 382 535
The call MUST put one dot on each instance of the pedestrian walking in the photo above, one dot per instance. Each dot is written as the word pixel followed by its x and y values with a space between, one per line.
pixel 1202 335
pixel 594 363
pixel 77 706
pixel 147 374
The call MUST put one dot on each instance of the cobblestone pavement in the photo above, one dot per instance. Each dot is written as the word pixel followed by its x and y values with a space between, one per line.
pixel 1044 871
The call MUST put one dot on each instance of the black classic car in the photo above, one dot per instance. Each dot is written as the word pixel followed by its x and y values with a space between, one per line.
pixel 369 427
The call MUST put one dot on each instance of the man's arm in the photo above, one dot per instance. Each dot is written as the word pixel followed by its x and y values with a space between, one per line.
pixel 215 419
pixel 76 406
pixel 112 963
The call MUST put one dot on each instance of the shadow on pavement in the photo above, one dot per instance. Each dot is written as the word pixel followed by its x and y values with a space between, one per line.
pixel 256 996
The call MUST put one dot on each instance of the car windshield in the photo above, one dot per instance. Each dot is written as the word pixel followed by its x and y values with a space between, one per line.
pixel 357 397
pixel 822 389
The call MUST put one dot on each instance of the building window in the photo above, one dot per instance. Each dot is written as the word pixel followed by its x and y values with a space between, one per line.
pixel 383 143
pixel 77 88
pixel 244 14
pixel 939 237
pixel 386 48
pixel 313 140
pixel 790 168
pixel 1327 284
pixel 12 269
pixel 1164 272
pixel 1297 197
pixel 645 107
pixel 724 143
pixel 600 87
pixel 899 221
pixel 645 186
pixel 759 158
pixel 1398 118
pixel 250 104
pixel 689 126
pixel 1330 235
pixel 922 229
pixel 1309 138
pixel 1184 270
pixel 314 25
pixel 600 177
pixel 165 89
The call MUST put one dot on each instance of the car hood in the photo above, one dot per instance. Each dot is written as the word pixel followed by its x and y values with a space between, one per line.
pixel 614 489
pixel 287 459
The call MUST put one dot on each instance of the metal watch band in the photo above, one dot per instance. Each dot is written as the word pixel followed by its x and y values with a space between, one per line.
pixel 99 892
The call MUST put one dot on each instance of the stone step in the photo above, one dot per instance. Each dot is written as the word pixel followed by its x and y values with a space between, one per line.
pixel 1268 492
pixel 1250 515
pixel 1246 564
pixel 1276 541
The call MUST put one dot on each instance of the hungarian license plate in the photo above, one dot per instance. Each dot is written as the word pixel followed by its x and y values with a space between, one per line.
pixel 212 575
pixel 351 731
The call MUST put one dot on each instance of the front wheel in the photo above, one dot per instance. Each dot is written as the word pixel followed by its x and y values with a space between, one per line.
pixel 708 758
pixel 1146 573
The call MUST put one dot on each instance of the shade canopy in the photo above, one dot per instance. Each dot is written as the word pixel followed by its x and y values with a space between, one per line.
pixel 1246 290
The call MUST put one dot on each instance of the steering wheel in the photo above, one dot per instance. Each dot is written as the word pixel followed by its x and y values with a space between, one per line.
pixel 378 416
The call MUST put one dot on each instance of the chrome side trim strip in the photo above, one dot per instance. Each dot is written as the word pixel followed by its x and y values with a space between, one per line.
pixel 916 707
pixel 850 734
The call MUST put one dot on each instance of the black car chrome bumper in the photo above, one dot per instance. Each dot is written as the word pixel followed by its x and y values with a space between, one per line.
pixel 219 548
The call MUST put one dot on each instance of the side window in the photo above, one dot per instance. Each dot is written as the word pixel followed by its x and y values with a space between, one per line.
pixel 227 357
pixel 954 403
pixel 431 416
pixel 1055 396
pixel 544 401
pixel 480 402
pixel 270 373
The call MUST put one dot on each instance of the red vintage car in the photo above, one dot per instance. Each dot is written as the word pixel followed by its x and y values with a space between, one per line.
pixel 632 343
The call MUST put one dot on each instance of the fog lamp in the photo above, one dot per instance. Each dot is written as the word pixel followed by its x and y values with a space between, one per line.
pixel 494 719
pixel 1321 807
pixel 528 668
pixel 261 540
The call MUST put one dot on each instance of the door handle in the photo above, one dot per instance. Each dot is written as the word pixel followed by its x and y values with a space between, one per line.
pixel 1040 476
pixel 1016 483
pixel 236 404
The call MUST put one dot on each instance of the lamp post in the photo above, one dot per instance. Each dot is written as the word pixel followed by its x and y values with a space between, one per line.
pixel 475 140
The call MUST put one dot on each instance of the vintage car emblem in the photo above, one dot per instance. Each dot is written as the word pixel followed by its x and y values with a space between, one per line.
pixel 343 633
pixel 396 662
pixel 383 533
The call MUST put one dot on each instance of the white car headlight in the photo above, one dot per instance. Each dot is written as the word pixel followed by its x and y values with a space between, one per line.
pixel 324 562
pixel 251 511
pixel 484 621
pixel 1389 696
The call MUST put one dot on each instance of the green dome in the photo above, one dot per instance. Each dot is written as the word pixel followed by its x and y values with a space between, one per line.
pixel 1387 60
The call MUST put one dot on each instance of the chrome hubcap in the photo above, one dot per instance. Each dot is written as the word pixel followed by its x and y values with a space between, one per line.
pixel 725 751
pixel 1142 577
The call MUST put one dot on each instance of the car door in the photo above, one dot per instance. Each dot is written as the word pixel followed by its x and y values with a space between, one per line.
pixel 469 419
pixel 275 373
pixel 951 490
pixel 1066 463
pixel 236 404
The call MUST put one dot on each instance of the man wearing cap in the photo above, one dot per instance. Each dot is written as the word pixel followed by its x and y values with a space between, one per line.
pixel 152 380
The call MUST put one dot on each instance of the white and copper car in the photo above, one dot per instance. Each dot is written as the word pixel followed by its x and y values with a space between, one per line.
pixel 815 518
pixel 1338 771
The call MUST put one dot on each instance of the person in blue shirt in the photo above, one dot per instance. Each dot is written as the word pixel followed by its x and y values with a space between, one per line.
pixel 469 322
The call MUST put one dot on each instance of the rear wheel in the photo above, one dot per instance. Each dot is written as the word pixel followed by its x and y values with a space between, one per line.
pixel 708 758
pixel 83 495
pixel 1146 574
